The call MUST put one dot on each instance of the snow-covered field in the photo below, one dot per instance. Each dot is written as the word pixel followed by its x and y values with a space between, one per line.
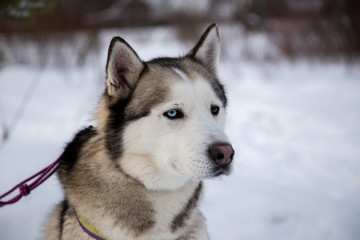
pixel 295 128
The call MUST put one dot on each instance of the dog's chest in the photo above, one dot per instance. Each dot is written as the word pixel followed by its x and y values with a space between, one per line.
pixel 174 211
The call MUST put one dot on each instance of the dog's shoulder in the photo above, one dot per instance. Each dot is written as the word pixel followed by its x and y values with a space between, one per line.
pixel 74 148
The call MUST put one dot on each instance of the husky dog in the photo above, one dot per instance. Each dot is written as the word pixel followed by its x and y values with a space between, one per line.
pixel 138 173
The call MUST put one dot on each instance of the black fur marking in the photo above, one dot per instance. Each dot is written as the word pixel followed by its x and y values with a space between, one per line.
pixel 220 91
pixel 168 62
pixel 179 220
pixel 73 149
pixel 116 124
pixel 65 207
pixel 114 129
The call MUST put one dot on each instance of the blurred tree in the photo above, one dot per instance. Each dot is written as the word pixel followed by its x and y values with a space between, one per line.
pixel 20 13
pixel 318 28
pixel 2 58
pixel 23 10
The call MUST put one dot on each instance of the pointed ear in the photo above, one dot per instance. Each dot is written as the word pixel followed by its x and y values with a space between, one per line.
pixel 207 50
pixel 123 69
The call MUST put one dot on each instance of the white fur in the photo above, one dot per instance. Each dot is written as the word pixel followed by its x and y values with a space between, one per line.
pixel 165 154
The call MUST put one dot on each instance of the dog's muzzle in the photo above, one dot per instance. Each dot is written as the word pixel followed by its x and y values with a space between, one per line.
pixel 222 155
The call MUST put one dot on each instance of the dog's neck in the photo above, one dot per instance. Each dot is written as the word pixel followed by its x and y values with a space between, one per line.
pixel 143 207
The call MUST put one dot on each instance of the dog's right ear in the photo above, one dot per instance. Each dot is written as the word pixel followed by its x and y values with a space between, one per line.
pixel 123 69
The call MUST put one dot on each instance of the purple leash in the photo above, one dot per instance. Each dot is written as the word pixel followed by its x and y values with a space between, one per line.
pixel 25 189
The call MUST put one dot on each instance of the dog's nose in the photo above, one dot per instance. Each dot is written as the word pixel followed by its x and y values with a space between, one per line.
pixel 222 153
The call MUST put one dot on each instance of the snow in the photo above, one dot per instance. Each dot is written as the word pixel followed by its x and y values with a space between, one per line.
pixel 296 132
pixel 294 126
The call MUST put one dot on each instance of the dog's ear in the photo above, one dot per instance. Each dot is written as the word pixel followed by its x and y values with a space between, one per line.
pixel 207 50
pixel 123 69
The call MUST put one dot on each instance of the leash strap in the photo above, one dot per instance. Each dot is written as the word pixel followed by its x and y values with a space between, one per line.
pixel 90 230
pixel 25 189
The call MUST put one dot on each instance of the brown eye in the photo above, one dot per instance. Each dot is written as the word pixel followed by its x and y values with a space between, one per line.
pixel 214 110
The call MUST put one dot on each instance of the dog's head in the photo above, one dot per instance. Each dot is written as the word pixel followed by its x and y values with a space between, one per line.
pixel 163 120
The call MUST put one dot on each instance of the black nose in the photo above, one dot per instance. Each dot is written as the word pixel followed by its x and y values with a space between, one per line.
pixel 221 153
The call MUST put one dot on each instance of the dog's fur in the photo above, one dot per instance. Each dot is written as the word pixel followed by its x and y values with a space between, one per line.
pixel 138 173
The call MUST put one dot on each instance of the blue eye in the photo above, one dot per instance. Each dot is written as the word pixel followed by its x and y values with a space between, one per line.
pixel 174 114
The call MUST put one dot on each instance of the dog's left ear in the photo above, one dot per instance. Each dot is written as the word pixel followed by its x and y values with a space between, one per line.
pixel 207 50
pixel 123 69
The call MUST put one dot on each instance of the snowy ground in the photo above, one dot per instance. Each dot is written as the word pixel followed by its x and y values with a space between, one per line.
pixel 295 128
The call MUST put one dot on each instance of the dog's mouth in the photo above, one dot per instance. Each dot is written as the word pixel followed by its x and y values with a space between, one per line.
pixel 222 170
